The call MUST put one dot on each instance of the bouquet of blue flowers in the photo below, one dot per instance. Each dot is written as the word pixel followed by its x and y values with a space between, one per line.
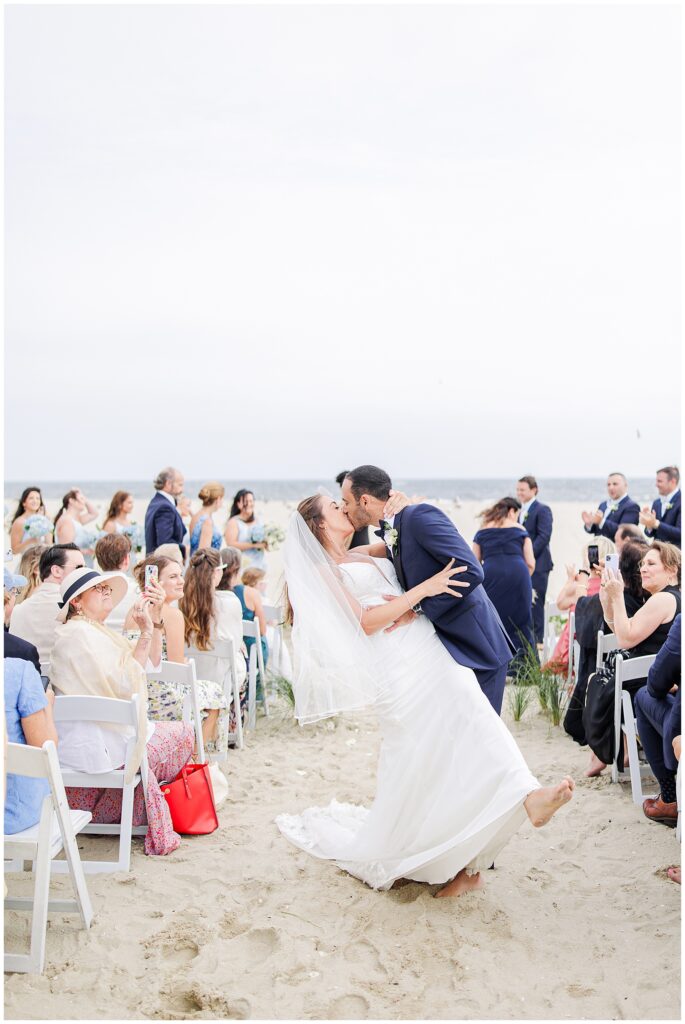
pixel 258 534
pixel 135 535
pixel 36 527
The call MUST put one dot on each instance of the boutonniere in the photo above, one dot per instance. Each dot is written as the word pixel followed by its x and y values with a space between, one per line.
pixel 667 506
pixel 390 536
pixel 523 518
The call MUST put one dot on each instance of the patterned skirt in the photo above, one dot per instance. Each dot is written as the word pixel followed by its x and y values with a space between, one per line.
pixel 165 704
pixel 168 750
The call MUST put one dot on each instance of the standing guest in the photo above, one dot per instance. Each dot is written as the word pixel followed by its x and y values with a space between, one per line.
pixel 29 567
pixel 14 646
pixel 118 520
pixel 245 532
pixel 537 520
pixel 70 523
pixel 35 620
pixel 663 521
pixel 171 551
pixel 657 711
pixel 618 508
pixel 627 533
pixel 202 531
pixel 506 552
pixel 360 536
pixel 163 524
pixel 113 554
pixel 27 521
pixel 90 659
pixel 28 720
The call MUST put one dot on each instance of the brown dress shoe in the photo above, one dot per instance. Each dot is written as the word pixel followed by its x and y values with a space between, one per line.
pixel 656 810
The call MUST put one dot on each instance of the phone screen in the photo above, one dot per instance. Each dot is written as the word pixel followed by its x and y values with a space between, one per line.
pixel 593 554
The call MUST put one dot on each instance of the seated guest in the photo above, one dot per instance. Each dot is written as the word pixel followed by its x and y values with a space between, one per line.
pixel 581 583
pixel 210 616
pixel 203 532
pixel 30 524
pixel 165 700
pixel 506 551
pixel 658 723
pixel 619 508
pixel 663 520
pixel 14 646
pixel 70 523
pixel 644 631
pixel 34 619
pixel 113 554
pixel 537 520
pixel 29 567
pixel 163 524
pixel 247 593
pixel 627 532
pixel 28 720
pixel 88 658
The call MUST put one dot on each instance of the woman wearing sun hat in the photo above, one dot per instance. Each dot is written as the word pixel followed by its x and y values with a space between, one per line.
pixel 90 659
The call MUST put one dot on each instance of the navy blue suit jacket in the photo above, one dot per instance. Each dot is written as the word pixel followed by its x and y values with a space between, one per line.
pixel 163 524
pixel 669 524
pixel 665 673
pixel 15 647
pixel 538 525
pixel 468 626
pixel 627 512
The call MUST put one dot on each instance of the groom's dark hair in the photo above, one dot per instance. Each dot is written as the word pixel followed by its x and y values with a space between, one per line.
pixel 370 480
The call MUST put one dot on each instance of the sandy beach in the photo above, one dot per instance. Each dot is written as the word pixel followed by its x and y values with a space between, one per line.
pixel 578 920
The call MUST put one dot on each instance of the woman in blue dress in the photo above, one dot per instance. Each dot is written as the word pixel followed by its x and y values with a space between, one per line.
pixel 506 551
pixel 203 532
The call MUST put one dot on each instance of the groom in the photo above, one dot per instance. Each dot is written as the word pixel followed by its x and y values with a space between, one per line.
pixel 421 540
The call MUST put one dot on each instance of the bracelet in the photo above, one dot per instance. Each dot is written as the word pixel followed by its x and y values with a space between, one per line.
pixel 158 625
pixel 145 636
pixel 585 571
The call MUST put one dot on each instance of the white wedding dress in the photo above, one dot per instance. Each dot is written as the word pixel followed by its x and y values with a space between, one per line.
pixel 451 780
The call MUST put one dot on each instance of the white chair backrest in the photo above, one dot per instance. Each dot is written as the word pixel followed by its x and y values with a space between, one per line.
pixel 275 612
pixel 86 708
pixel 633 668
pixel 40 763
pixel 605 642
pixel 219 649
pixel 173 672
pixel 251 628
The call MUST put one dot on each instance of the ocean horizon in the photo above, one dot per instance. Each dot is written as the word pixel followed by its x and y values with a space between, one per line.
pixel 589 489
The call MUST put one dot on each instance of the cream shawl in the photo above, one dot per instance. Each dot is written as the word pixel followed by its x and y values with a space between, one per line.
pixel 89 659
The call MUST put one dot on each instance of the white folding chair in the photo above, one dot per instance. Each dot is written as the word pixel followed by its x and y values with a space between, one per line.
pixel 112 712
pixel 184 673
pixel 275 615
pixel 212 665
pixel 550 633
pixel 633 668
pixel 55 831
pixel 605 642
pixel 255 661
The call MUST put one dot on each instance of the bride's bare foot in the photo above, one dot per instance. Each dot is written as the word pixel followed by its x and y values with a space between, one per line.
pixel 596 767
pixel 461 883
pixel 542 803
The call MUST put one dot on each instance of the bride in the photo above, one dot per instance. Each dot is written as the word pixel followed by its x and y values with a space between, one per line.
pixel 452 785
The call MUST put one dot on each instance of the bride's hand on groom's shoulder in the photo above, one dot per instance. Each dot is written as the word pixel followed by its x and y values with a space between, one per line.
pixel 395 503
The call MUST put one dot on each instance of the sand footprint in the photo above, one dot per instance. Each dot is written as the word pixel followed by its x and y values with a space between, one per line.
pixel 350 1007
pixel 363 952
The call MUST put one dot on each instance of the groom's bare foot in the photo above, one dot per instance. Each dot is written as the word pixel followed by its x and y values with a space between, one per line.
pixel 595 768
pixel 460 884
pixel 542 803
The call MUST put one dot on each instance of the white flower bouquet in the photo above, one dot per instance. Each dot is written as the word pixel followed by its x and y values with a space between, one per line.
pixel 36 527
pixel 274 536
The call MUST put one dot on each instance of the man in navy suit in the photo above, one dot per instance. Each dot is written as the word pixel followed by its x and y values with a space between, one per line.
pixel 620 508
pixel 422 540
pixel 163 523
pixel 537 519
pixel 658 723
pixel 663 521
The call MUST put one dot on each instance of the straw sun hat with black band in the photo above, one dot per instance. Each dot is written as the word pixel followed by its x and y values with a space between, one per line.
pixel 80 580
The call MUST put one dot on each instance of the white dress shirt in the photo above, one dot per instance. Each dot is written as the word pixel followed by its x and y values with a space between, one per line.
pixel 524 509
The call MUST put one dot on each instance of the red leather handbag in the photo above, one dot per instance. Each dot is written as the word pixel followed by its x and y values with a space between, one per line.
pixel 191 801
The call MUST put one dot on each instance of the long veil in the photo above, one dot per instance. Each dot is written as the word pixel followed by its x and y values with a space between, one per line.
pixel 336 668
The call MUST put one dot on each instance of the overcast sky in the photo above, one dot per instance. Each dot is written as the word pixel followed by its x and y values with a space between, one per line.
pixel 280 241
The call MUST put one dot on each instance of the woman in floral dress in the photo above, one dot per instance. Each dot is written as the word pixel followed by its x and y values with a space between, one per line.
pixel 165 699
